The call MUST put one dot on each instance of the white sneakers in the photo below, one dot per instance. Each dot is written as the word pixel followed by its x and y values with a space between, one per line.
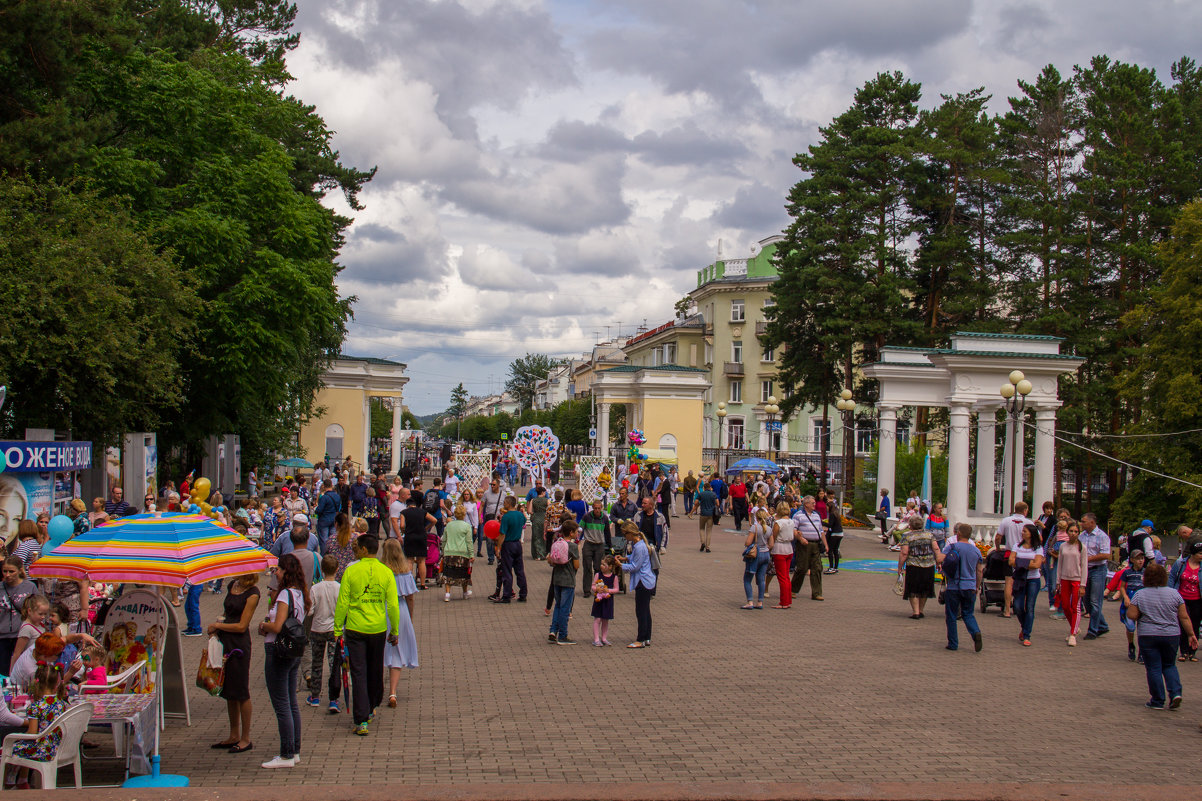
pixel 1072 641
pixel 447 597
pixel 280 762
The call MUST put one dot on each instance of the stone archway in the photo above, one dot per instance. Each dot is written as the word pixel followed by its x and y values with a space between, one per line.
pixel 965 378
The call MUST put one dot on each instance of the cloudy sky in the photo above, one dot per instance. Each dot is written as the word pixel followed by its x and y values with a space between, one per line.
pixel 554 171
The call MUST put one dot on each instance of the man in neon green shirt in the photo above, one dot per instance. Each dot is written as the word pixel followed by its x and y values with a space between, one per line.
pixel 367 613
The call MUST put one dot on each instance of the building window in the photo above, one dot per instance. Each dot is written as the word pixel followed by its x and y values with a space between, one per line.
pixel 736 391
pixel 903 434
pixel 709 353
pixel 821 433
pixel 736 351
pixel 865 439
pixel 737 314
pixel 774 441
pixel 734 433
pixel 769 354
pixel 765 390
pixel 670 353
pixel 769 302
pixel 654 357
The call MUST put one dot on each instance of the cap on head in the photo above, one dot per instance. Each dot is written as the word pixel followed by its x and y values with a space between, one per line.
pixel 301 518
pixel 1196 547
pixel 1147 524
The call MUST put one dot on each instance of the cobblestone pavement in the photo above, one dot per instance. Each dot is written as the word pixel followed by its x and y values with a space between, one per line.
pixel 846 690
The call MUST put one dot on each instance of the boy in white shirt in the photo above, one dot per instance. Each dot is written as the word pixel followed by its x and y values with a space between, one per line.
pixel 324 595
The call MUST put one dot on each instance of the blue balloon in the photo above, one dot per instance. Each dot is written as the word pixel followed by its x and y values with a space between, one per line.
pixel 194 509
pixel 61 528
pixel 48 548
pixel 219 509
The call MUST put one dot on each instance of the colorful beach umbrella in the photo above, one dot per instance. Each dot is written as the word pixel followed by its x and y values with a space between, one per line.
pixel 159 548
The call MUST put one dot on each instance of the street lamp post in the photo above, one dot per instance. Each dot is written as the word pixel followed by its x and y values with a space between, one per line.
pixel 847 405
pixel 721 416
pixel 1015 394
pixel 771 424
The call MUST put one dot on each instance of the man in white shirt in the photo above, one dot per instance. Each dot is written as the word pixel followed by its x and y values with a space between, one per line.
pixel 1010 531
pixel 395 508
pixel 451 483
pixel 809 544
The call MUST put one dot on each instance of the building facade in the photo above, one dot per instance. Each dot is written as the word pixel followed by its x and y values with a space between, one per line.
pixel 344 427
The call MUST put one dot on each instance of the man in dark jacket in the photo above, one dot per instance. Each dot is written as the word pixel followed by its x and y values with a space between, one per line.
pixel 328 507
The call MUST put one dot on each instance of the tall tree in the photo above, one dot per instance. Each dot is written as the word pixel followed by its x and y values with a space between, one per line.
pixel 839 294
pixel 524 373
pixel 459 400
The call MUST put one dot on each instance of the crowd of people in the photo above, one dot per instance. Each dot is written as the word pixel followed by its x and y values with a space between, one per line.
pixel 354 551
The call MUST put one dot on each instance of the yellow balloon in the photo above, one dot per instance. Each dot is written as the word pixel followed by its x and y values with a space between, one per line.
pixel 205 508
pixel 201 489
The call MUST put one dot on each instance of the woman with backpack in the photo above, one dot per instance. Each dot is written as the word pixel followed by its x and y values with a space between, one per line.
pixel 283 642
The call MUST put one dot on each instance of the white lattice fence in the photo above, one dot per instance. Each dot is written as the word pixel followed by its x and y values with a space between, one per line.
pixel 588 468
pixel 475 469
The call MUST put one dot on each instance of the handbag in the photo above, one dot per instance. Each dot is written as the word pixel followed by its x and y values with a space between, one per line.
pixel 210 676
pixel 290 642
pixel 751 553
pixel 899 586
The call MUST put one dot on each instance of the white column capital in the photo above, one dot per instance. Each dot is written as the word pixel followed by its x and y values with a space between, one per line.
pixel 887 410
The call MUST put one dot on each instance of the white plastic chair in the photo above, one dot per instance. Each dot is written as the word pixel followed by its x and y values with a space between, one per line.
pixel 72 724
pixel 119 681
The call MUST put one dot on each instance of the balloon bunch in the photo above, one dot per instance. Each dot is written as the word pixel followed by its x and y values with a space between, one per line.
pixel 636 437
pixel 198 500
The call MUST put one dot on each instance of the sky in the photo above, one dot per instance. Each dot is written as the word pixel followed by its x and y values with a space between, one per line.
pixel 552 173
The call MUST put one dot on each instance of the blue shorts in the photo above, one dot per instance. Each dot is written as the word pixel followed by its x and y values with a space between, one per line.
pixel 1127 622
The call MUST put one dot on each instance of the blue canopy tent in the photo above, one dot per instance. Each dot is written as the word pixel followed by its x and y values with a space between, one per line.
pixel 754 465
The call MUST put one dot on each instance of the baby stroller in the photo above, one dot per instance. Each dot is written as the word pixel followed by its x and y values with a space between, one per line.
pixel 993 582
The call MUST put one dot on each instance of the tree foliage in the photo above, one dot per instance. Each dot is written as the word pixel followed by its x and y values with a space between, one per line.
pixel 93 315
pixel 179 109
pixel 524 373
pixel 1049 218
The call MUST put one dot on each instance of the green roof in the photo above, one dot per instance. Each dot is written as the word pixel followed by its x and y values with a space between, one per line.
pixel 666 368
pixel 1009 354
pixel 371 360
pixel 983 335
pixel 901 364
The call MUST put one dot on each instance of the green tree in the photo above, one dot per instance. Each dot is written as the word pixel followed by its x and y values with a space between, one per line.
pixel 459 400
pixel 524 373
pixel 95 318
pixel 1165 382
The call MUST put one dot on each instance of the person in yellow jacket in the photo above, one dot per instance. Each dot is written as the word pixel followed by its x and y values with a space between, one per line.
pixel 367 614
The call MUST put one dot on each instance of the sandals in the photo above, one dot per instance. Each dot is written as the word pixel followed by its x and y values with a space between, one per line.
pixel 392 702
pixel 750 605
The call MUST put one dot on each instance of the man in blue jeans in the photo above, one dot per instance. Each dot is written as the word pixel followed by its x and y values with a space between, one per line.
pixel 1097 549
pixel 960 591
pixel 328 507
pixel 192 610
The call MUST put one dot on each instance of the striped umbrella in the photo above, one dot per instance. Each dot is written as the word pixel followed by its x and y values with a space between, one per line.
pixel 159 548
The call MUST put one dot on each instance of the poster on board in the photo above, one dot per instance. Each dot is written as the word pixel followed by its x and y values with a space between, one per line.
pixel 24 495
pixel 136 629
pixel 112 470
pixel 152 466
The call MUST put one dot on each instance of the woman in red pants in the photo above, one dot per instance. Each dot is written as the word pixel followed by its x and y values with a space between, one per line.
pixel 782 554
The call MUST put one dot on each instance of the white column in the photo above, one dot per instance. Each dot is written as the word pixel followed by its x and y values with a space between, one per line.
pixel 1020 457
pixel 1008 466
pixel 366 432
pixel 395 466
pixel 887 454
pixel 986 460
pixel 1044 486
pixel 960 419
pixel 603 428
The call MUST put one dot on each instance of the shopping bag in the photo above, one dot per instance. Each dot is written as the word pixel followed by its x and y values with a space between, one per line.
pixel 211 675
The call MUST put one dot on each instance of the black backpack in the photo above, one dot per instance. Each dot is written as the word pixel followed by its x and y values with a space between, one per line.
pixel 290 642
pixel 431 502
pixel 951 565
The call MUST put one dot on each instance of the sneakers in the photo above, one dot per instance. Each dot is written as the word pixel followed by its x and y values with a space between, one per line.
pixel 313 700
pixel 1131 651
pixel 361 730
pixel 1151 705
pixel 193 632
pixel 1175 702
pixel 551 638
pixel 468 594
pixel 1091 636
pixel 565 642
pixel 333 708
pixel 280 762
pixel 978 642
pixel 1072 641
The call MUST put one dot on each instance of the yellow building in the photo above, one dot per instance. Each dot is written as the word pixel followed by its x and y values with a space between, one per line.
pixel 665 401
pixel 344 426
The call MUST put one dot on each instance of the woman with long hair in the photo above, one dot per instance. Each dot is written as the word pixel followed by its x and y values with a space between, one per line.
pixel 233 630
pixel 291 599
pixel 760 536
pixel 15 588
pixel 1071 572
pixel 782 554
pixel 1025 561
pixel 339 546
pixel 642 581
pixel 402 653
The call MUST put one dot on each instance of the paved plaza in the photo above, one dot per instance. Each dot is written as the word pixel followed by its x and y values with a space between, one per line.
pixel 846 690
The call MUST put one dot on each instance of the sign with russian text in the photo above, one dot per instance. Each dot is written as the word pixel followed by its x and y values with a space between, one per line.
pixel 21 456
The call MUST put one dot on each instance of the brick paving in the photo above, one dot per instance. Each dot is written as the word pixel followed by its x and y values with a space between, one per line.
pixel 846 690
